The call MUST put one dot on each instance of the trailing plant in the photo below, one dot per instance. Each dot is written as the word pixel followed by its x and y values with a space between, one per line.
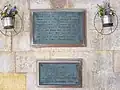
pixel 105 10
pixel 9 11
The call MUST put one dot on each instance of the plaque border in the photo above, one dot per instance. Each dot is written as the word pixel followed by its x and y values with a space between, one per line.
pixel 83 42
pixel 79 61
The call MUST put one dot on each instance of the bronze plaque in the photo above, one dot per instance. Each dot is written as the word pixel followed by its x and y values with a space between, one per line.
pixel 59 73
pixel 58 28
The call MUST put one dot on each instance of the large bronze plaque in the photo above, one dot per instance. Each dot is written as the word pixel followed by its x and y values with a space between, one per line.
pixel 58 28
pixel 59 73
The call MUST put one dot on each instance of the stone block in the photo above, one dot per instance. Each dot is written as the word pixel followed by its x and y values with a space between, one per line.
pixel 7 62
pixel 117 61
pixel 101 67
pixel 39 4
pixel 26 61
pixel 12 81
pixel 5 43
pixel 21 42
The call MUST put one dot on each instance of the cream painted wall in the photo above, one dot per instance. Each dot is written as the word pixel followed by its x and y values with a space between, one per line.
pixel 101 65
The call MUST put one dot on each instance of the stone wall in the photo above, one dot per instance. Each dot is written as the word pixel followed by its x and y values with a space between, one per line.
pixel 101 64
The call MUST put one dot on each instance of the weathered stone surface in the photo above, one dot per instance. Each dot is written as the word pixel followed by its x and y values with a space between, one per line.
pixel 7 62
pixel 117 80
pixel 117 61
pixel 26 61
pixel 104 42
pixel 115 38
pixel 5 42
pixel 102 66
pixel 81 1
pixel 21 42
pixel 100 42
pixel 61 4
pixel 39 4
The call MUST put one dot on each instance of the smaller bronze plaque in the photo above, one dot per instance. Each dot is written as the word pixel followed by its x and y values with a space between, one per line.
pixel 59 73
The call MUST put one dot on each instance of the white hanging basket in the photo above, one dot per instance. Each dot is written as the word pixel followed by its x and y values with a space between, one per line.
pixel 8 22
pixel 107 21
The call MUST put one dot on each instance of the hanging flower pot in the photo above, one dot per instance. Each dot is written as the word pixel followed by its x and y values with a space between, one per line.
pixel 107 20
pixel 8 16
pixel 106 13
pixel 8 22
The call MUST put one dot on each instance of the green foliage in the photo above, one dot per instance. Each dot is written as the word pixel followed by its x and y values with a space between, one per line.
pixel 105 11
pixel 9 11
pixel 101 11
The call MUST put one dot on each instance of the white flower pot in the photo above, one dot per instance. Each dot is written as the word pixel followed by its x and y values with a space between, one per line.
pixel 107 21
pixel 8 22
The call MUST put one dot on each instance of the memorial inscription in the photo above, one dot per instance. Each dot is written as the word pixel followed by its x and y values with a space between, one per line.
pixel 58 28
pixel 59 73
